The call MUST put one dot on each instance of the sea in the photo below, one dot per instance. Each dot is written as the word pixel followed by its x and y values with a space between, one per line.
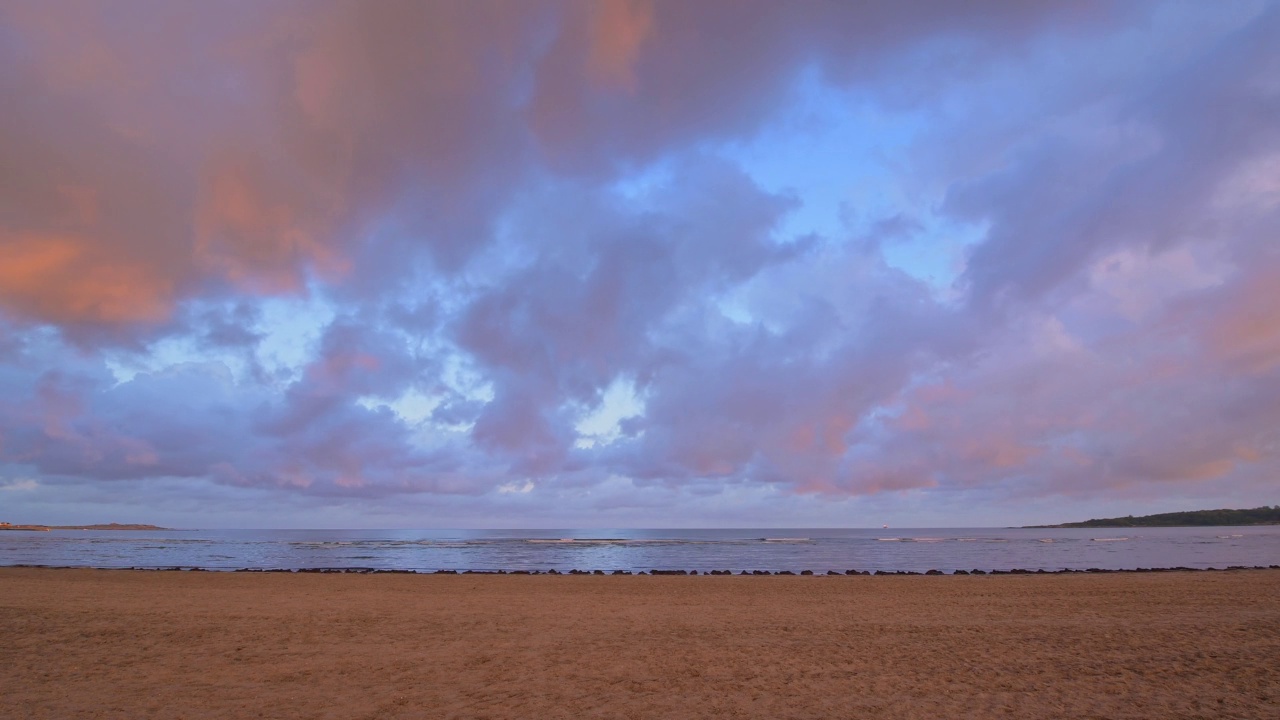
pixel 772 550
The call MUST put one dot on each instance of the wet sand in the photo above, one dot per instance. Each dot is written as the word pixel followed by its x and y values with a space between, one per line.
pixel 127 644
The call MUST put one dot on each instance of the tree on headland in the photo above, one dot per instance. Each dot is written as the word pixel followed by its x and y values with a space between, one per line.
pixel 1263 515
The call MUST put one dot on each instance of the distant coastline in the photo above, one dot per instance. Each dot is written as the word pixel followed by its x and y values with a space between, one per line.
pixel 107 526
pixel 1195 518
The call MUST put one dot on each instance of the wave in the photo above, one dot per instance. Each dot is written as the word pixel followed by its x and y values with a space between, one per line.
pixel 128 540
pixel 611 542
pixel 577 541
pixel 491 542
pixel 933 540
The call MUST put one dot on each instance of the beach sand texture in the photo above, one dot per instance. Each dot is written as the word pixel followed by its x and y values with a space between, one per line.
pixel 126 644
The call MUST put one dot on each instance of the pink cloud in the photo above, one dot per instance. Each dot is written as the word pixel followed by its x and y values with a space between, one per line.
pixel 509 208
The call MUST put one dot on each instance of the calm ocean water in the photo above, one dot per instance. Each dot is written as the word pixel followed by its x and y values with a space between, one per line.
pixel 635 550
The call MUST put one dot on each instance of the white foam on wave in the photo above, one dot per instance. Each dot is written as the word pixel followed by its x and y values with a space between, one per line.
pixel 1115 539
pixel 587 541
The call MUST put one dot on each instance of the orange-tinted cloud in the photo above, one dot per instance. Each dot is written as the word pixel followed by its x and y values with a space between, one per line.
pixel 259 240
pixel 200 148
pixel 227 152
pixel 618 30
pixel 1246 329
pixel 68 278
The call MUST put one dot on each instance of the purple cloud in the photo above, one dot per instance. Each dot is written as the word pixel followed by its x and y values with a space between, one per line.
pixel 505 259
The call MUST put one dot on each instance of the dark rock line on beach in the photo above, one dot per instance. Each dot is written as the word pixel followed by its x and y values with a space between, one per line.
pixel 754 573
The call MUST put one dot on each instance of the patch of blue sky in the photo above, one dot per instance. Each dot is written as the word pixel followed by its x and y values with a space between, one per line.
pixel 734 307
pixel 846 159
pixel 412 408
pixel 172 352
pixel 639 186
pixel 834 150
pixel 291 330
pixel 602 425
pixel 937 253
pixel 167 352
pixel 461 375
pixel 458 381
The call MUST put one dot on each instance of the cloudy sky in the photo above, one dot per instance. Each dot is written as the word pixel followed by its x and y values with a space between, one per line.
pixel 634 263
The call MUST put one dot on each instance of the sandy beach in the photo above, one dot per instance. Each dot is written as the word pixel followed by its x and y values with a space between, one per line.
pixel 128 644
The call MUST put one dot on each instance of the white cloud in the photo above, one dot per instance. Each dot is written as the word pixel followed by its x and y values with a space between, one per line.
pixel 523 488
pixel 602 425
pixel 19 484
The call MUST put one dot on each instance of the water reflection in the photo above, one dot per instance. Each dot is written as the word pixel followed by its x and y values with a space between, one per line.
pixel 634 550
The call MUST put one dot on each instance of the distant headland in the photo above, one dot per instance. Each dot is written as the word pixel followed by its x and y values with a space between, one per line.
pixel 108 526
pixel 1195 518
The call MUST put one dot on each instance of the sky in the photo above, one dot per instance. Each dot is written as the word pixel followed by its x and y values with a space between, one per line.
pixel 637 263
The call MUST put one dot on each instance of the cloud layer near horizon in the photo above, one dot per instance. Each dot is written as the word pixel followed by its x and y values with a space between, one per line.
pixel 545 260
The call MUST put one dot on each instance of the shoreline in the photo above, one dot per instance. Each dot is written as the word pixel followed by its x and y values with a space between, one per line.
pixel 343 570
pixel 107 526
pixel 135 644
